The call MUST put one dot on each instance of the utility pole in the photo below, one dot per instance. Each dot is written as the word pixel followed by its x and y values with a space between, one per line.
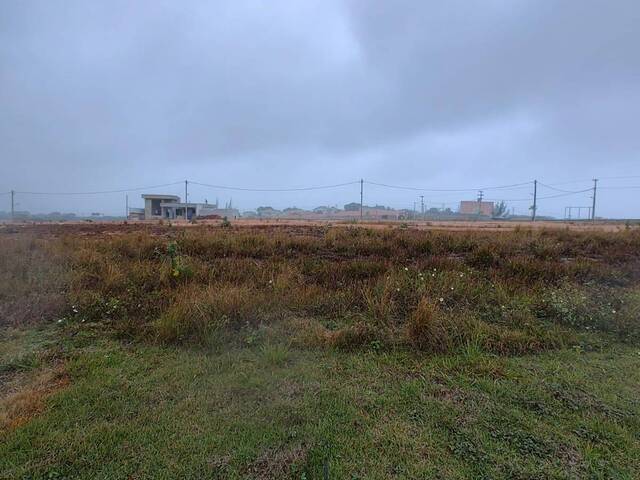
pixel 480 197
pixel 126 201
pixel 422 206
pixel 186 192
pixel 593 205
pixel 13 210
pixel 535 201
pixel 361 196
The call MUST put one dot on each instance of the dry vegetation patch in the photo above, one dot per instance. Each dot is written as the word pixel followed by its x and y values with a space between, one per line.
pixel 512 292
pixel 23 396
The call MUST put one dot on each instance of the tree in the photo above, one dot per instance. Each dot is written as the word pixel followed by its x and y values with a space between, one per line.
pixel 267 211
pixel 500 210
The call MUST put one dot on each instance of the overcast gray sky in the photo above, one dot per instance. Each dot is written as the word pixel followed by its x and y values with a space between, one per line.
pixel 98 95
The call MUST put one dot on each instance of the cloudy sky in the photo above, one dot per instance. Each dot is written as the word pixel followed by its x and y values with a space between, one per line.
pixel 102 95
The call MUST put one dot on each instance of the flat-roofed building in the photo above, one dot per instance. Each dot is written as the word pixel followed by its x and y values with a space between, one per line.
pixel 170 207
pixel 473 207
pixel 153 205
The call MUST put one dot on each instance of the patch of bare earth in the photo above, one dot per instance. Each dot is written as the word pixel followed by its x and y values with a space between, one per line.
pixel 276 463
pixel 23 396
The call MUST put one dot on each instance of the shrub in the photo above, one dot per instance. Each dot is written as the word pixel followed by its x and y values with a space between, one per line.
pixel 194 314
pixel 432 330
pixel 358 335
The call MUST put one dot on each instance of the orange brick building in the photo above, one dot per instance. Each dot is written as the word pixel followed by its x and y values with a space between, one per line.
pixel 473 207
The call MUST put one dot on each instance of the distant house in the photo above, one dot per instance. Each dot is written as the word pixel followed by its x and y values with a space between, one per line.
pixel 474 207
pixel 136 214
pixel 170 207
pixel 155 206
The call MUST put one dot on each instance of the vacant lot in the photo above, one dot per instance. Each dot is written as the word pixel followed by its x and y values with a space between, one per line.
pixel 296 351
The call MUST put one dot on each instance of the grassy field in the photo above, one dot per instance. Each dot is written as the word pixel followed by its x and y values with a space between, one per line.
pixel 319 352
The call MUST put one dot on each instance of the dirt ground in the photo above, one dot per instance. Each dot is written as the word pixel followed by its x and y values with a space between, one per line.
pixel 117 227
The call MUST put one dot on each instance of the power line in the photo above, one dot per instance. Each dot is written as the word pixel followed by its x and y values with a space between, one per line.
pixel 514 186
pixel 448 189
pixel 624 177
pixel 542 198
pixel 300 189
pixel 124 190
pixel 585 180
pixel 554 188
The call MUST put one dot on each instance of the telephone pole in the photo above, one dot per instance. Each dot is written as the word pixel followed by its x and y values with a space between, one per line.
pixel 422 206
pixel 13 210
pixel 480 197
pixel 186 192
pixel 535 201
pixel 593 205
pixel 126 201
pixel 361 196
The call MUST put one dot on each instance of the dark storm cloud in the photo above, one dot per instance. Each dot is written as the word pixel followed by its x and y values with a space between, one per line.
pixel 120 93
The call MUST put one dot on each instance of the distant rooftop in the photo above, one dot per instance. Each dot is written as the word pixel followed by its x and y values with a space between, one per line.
pixel 155 196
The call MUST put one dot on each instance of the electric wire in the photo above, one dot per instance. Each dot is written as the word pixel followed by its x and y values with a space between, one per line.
pixel 399 187
pixel 102 192
pixel 298 189
pixel 542 198
pixel 554 188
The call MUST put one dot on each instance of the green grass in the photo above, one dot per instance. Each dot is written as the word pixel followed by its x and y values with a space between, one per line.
pixel 304 353
pixel 268 410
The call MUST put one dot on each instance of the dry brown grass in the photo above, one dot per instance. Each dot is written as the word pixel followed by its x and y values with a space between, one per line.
pixel 24 396
pixel 513 292
pixel 32 284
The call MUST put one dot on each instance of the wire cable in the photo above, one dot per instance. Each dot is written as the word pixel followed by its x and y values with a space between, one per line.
pixel 619 178
pixel 506 187
pixel 542 198
pixel 554 188
pixel 299 189
pixel 103 192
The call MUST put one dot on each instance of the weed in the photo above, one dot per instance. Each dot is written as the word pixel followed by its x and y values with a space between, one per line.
pixel 274 354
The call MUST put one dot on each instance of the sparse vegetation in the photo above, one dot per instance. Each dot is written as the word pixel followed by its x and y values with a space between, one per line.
pixel 412 341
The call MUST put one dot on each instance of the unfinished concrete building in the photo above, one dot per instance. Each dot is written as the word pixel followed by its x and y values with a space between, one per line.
pixel 169 207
